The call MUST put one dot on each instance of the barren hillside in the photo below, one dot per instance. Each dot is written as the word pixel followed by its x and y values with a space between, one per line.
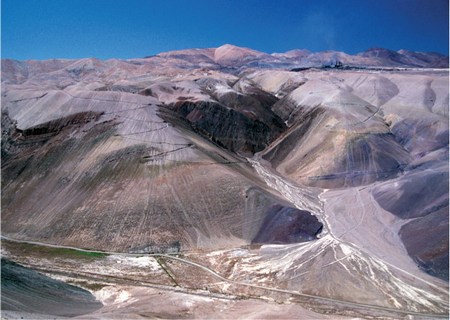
pixel 295 172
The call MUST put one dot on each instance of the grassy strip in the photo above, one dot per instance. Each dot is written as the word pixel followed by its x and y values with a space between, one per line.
pixel 49 252
pixel 74 253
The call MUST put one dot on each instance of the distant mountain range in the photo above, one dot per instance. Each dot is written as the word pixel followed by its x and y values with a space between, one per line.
pixel 227 58
pixel 230 55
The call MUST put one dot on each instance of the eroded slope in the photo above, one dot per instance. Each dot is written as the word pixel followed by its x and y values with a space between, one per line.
pixel 146 155
pixel 114 171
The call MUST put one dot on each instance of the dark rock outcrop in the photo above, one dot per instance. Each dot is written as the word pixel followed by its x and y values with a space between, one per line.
pixel 426 240
pixel 9 135
pixel 288 225
pixel 227 127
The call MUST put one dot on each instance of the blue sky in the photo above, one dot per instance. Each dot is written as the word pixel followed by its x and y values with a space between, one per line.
pixel 45 29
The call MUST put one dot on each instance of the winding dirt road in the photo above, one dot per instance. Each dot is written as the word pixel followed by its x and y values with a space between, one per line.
pixel 239 283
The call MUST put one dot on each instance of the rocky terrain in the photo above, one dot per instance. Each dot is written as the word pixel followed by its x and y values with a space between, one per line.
pixel 320 175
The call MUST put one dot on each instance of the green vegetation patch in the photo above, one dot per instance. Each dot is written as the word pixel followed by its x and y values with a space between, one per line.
pixel 27 249
pixel 64 252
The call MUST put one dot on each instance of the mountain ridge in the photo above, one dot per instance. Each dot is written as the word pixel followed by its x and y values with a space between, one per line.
pixel 233 53
pixel 296 179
